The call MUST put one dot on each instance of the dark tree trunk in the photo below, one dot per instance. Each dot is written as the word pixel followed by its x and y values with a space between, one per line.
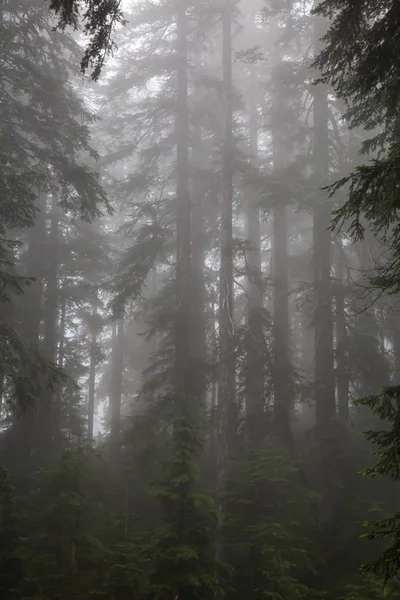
pixel 226 388
pixel 396 346
pixel 214 382
pixel 46 413
pixel 183 207
pixel 34 268
pixel 226 410
pixel 60 363
pixel 255 331
pixel 117 367
pixel 342 370
pixel 282 373
pixel 323 317
pixel 283 377
pixel 92 376
pixel 283 384
pixel 27 423
pixel 198 292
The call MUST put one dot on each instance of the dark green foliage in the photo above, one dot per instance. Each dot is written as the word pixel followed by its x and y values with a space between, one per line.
pixel 11 567
pixel 360 61
pixel 45 152
pixel 268 514
pixel 371 588
pixel 99 19
pixel 62 544
pixel 23 370
pixel 135 519
pixel 44 135
pixel 183 552
pixel 43 147
pixel 387 443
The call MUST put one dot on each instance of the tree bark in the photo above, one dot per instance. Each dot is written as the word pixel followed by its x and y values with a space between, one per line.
pixel 226 409
pixel 342 373
pixel 396 347
pixel 183 206
pixel 92 375
pixel 226 388
pixel 34 268
pixel 283 384
pixel 60 363
pixel 117 366
pixel 50 327
pixel 255 331
pixel 31 317
pixel 282 374
pixel 198 291
pixel 323 317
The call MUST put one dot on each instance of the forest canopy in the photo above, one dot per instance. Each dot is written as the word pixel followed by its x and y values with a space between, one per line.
pixel 199 319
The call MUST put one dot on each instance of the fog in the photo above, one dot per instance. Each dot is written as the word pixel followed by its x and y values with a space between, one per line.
pixel 185 329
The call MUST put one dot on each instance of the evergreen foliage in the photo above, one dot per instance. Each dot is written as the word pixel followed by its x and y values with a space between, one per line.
pixel 386 442
pixel 183 340
pixel 99 20
pixel 359 61
pixel 184 548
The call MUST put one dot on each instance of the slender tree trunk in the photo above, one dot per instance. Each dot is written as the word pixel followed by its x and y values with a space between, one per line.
pixel 1 396
pixel 183 220
pixel 184 391
pixel 255 334
pixel 226 388
pixel 341 339
pixel 214 383
pixel 28 423
pixel 283 383
pixel 396 346
pixel 283 377
pixel 226 426
pixel 307 359
pixel 50 326
pixel 117 366
pixel 154 343
pixel 323 318
pixel 92 376
pixel 198 292
pixel 60 363
pixel 34 268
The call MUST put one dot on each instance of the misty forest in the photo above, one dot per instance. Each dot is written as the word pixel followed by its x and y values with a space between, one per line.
pixel 199 299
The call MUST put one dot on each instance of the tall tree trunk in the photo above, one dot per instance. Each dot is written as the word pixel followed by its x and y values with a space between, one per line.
pixel 214 383
pixel 183 219
pixel 92 375
pixel 198 292
pixel 226 427
pixel 283 379
pixel 50 327
pixel 255 331
pixel 34 268
pixel 342 371
pixel 57 425
pixel 28 423
pixel 282 374
pixel 323 317
pixel 396 347
pixel 117 367
pixel 226 388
